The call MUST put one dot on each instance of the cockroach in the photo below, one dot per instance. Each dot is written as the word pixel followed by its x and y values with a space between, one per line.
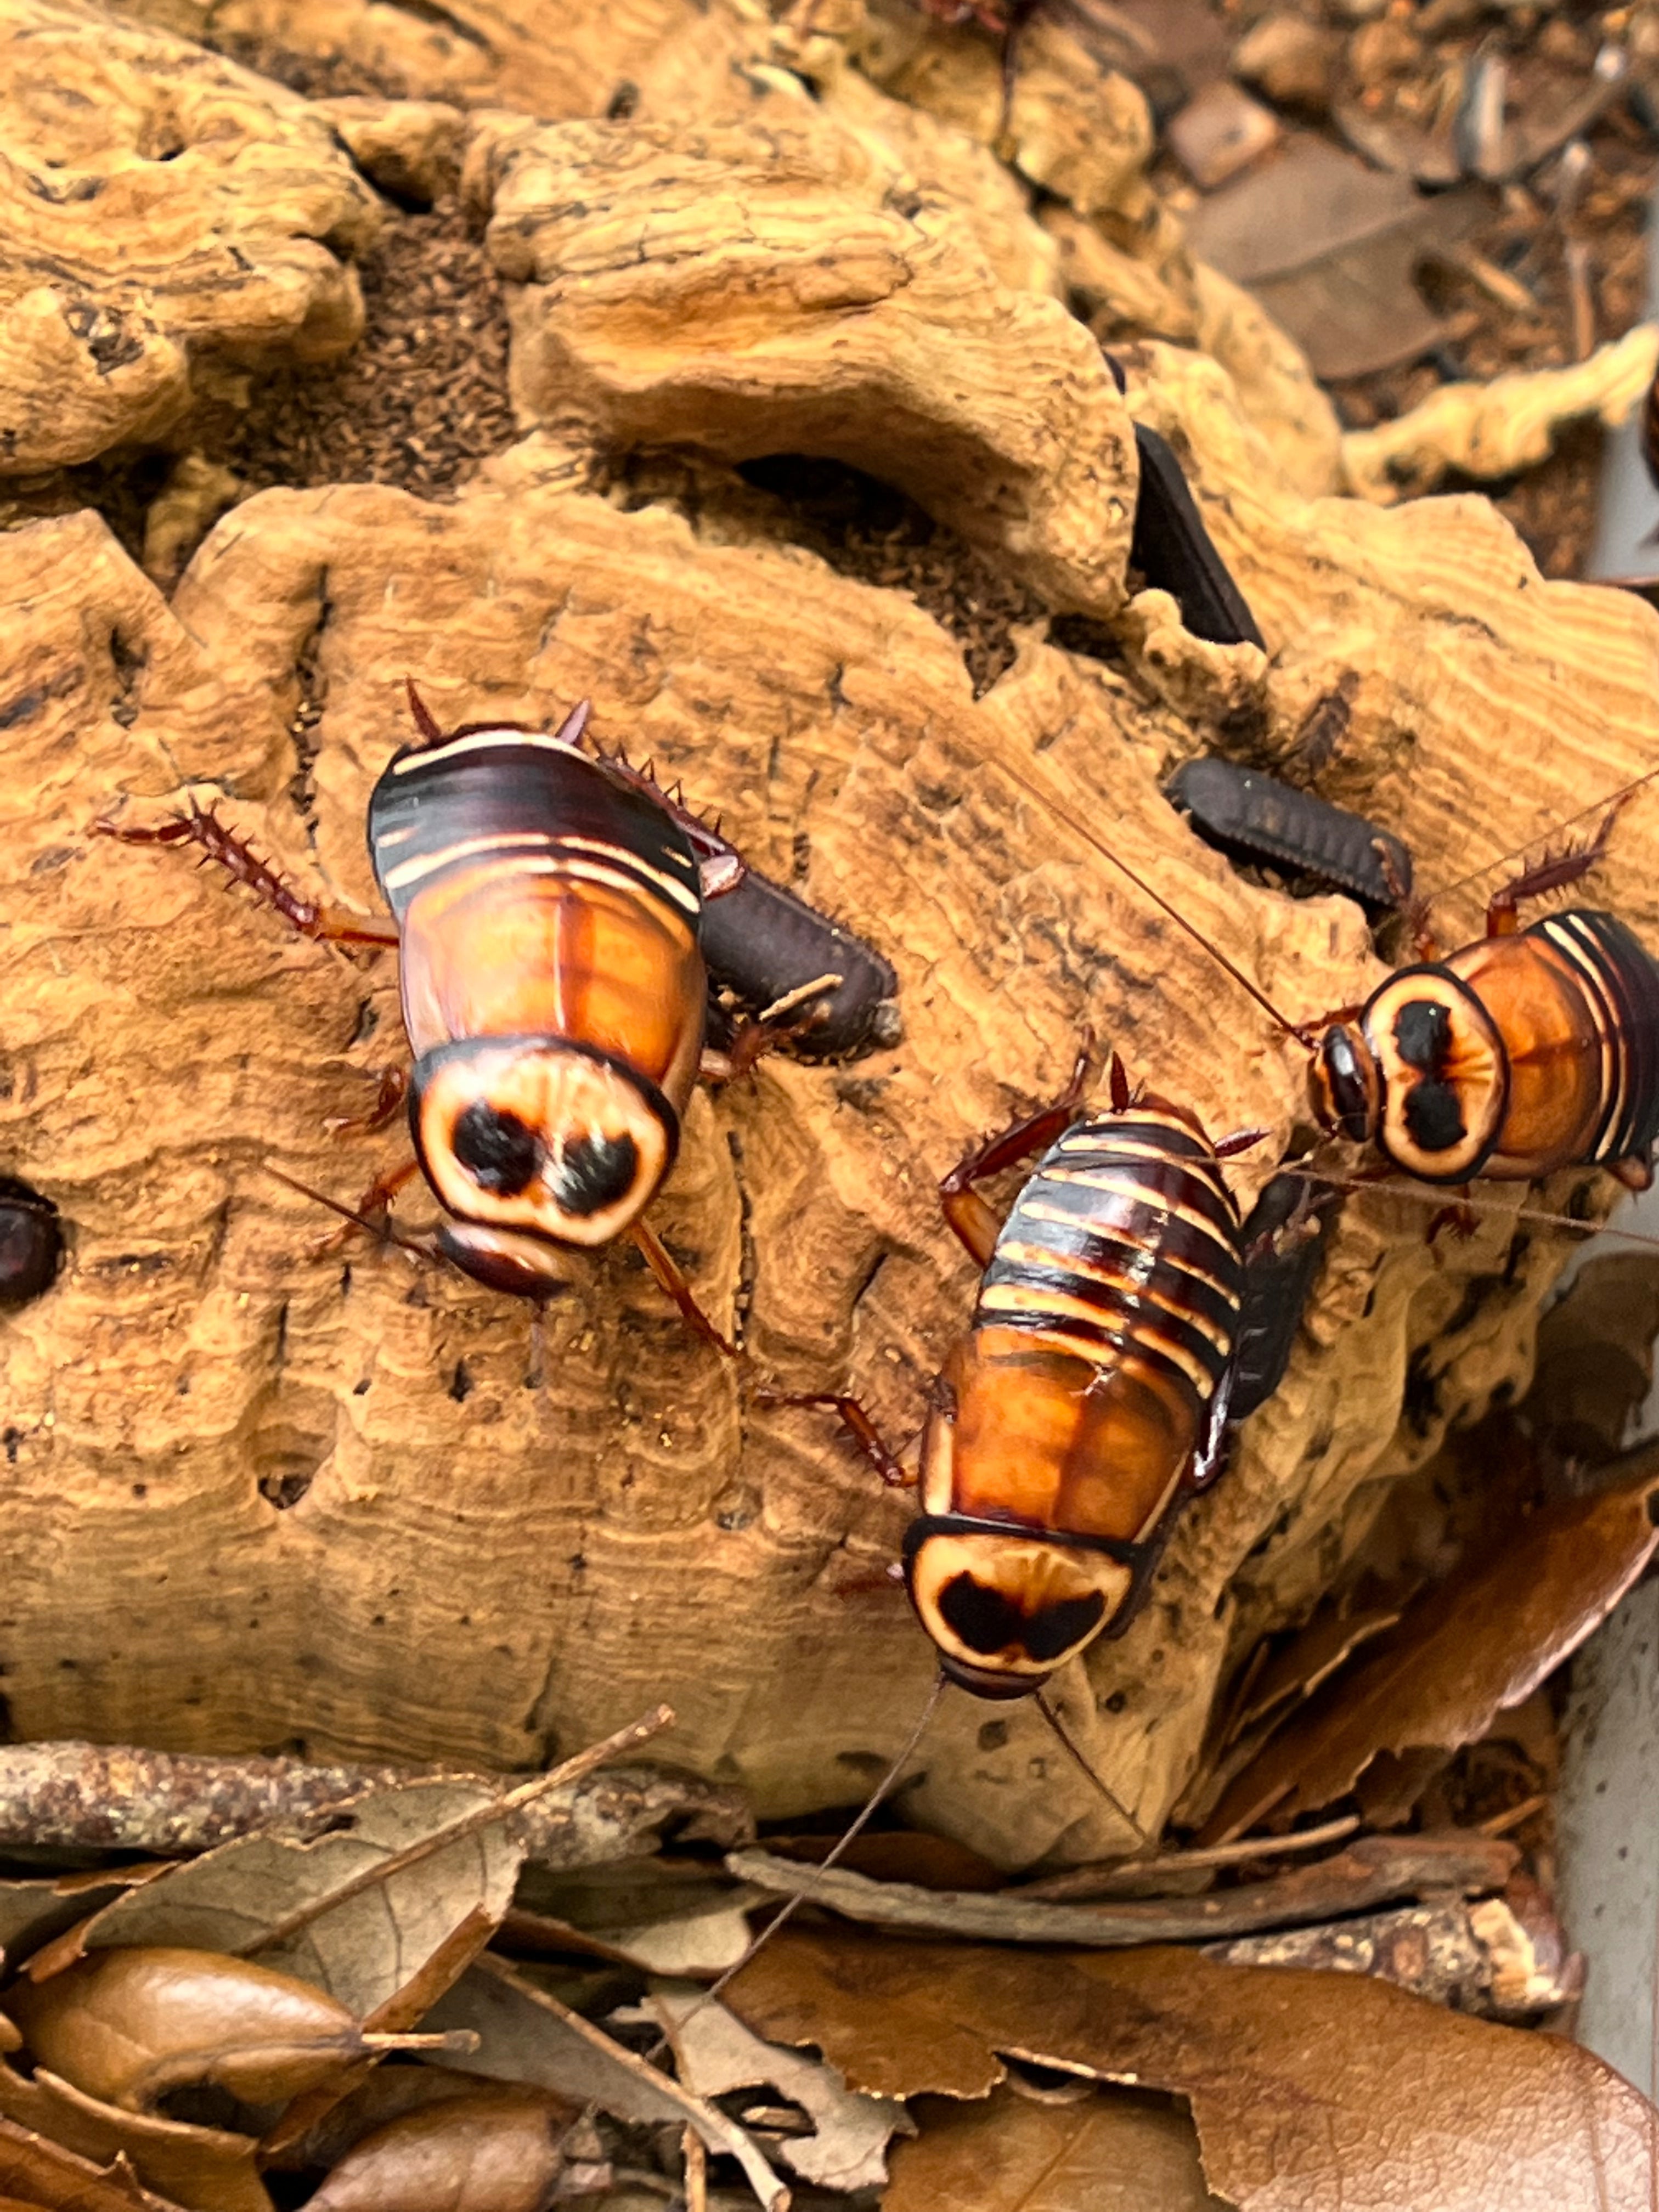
pixel 769 951
pixel 1253 816
pixel 549 906
pixel 1090 1396
pixel 1172 549
pixel 1529 1050
pixel 31 1243
pixel 1286 1233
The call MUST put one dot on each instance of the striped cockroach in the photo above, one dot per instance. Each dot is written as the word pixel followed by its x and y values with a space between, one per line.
pixel 550 910
pixel 1090 1395
pixel 1253 816
pixel 1529 1050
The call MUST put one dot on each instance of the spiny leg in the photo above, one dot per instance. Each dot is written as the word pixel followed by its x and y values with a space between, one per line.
pixel 657 1258
pixel 1210 1459
pixel 392 1089
pixel 368 1213
pixel 974 1224
pixel 309 917
pixel 1554 873
pixel 781 1024
pixel 855 1420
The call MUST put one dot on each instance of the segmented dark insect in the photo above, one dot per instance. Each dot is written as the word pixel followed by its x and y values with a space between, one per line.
pixel 550 908
pixel 1172 548
pixel 1090 1396
pixel 767 948
pixel 31 1243
pixel 1253 816
pixel 1286 1233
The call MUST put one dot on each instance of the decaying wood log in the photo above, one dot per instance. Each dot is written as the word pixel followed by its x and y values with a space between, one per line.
pixel 267 1497
pixel 83 1796
pixel 166 221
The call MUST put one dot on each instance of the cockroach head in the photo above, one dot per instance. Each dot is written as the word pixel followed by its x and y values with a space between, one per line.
pixel 1346 1085
pixel 532 1140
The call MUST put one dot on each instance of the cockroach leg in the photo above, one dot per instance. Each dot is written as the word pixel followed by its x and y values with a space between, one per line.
pixel 1239 1141
pixel 202 826
pixel 967 1213
pixel 1210 1459
pixel 1636 1173
pixel 856 1420
pixel 371 1208
pixel 752 1040
pixel 1554 873
pixel 1459 1217
pixel 662 1266
pixel 392 1091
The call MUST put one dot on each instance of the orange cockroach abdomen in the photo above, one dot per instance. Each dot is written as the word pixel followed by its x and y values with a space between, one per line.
pixel 1520 1054
pixel 1067 1422
pixel 553 990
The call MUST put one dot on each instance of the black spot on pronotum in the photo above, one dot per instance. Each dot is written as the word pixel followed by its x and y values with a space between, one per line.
pixel 1434 1118
pixel 594 1173
pixel 1422 1033
pixel 498 1150
pixel 985 1620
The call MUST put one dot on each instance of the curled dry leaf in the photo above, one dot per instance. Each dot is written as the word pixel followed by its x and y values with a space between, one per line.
pixel 203 2169
pixel 50 2178
pixel 1130 2153
pixel 713 2053
pixel 362 1948
pixel 526 2036
pixel 130 2027
pixel 492 2150
pixel 388 2094
pixel 1307 2090
pixel 1366 1872
pixel 1480 1643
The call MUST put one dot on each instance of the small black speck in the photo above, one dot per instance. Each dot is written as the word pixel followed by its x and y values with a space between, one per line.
pixel 140 1490
pixel 361 1389
pixel 576 1562
pixel 1117 1701
pixel 993 1736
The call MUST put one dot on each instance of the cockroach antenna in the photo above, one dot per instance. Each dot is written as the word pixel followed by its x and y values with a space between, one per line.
pixel 1122 1811
pixel 1456 1200
pixel 1047 799
pixel 872 1804
pixel 382 1232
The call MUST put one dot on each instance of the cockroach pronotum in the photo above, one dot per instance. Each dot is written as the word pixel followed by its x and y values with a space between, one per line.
pixel 31 1243
pixel 1253 816
pixel 549 906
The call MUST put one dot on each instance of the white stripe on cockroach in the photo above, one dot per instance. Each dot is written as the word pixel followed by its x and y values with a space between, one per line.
pixel 551 910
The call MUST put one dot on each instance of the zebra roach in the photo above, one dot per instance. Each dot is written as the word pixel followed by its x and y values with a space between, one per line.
pixel 550 907
pixel 1090 1396
pixel 1255 818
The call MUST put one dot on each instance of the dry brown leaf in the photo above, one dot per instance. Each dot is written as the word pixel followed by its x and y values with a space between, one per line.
pixel 1109 2153
pixel 205 2169
pixel 58 2181
pixel 493 2150
pixel 1328 246
pixel 713 2053
pixel 386 2095
pixel 1481 1642
pixel 1307 2090
pixel 34 1912
pixel 366 1948
pixel 1368 1871
pixel 526 2035
pixel 130 2027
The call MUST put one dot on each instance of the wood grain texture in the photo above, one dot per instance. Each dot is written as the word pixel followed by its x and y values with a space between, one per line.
pixel 164 217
